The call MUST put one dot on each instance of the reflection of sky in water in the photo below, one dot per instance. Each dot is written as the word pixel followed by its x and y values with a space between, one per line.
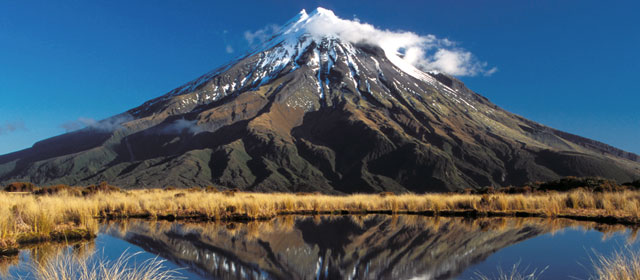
pixel 110 248
pixel 566 252
pixel 114 247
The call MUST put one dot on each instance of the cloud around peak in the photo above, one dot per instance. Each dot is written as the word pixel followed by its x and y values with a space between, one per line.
pixel 425 52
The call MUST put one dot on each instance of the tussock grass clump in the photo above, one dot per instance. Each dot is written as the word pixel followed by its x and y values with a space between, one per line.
pixel 566 184
pixel 231 192
pixel 621 265
pixel 68 267
pixel 57 189
pixel 19 187
pixel 384 194
pixel 514 274
pixel 211 189
pixel 30 218
pixel 22 187
pixel 308 193
pixel 103 187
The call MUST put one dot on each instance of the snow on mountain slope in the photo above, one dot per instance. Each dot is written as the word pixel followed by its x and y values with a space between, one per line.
pixel 327 105
pixel 283 52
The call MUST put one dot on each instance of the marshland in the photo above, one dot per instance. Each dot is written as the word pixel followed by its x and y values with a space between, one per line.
pixel 32 216
pixel 335 247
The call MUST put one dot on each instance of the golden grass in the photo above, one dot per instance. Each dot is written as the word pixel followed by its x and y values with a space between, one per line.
pixel 23 216
pixel 514 274
pixel 28 218
pixel 68 267
pixel 622 265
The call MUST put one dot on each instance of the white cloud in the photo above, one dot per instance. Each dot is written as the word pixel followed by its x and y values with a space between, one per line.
pixel 229 49
pixel 182 125
pixel 454 62
pixel 106 125
pixel 491 71
pixel 12 127
pixel 426 52
pixel 262 35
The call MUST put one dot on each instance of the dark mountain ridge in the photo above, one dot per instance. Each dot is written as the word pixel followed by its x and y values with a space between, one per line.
pixel 317 113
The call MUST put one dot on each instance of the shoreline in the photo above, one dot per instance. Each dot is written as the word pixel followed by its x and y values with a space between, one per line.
pixel 25 240
pixel 78 234
pixel 30 218
pixel 601 219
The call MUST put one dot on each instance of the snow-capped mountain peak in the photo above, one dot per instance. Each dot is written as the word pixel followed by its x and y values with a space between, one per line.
pixel 328 105
pixel 302 21
pixel 322 25
pixel 320 41
pixel 317 24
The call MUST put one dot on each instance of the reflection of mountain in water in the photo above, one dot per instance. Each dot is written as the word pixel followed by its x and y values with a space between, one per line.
pixel 372 247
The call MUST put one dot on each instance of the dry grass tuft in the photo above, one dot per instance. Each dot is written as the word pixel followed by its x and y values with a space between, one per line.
pixel 68 267
pixel 622 265
pixel 514 274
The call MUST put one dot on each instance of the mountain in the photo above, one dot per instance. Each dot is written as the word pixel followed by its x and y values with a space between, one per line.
pixel 314 111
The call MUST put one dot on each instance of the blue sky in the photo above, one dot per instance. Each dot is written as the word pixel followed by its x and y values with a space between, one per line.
pixel 572 65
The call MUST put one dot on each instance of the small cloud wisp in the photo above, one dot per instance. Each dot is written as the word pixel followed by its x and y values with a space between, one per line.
pixel 106 125
pixel 180 126
pixel 10 127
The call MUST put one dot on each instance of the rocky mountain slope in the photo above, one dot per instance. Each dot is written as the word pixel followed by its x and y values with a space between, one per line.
pixel 316 112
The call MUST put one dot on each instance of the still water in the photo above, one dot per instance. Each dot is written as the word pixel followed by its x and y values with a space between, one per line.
pixel 350 247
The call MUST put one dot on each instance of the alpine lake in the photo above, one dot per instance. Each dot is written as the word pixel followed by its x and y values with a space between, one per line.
pixel 348 247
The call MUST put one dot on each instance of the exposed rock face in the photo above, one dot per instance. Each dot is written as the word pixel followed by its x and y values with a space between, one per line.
pixel 309 113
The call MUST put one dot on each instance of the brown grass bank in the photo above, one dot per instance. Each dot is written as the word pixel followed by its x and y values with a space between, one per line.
pixel 26 217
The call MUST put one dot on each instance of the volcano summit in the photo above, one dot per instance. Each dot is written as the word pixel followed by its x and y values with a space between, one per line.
pixel 316 108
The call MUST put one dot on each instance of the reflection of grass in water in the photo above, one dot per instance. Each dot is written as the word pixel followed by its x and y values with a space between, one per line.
pixel 514 274
pixel 45 252
pixel 6 263
pixel 68 267
pixel 623 264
